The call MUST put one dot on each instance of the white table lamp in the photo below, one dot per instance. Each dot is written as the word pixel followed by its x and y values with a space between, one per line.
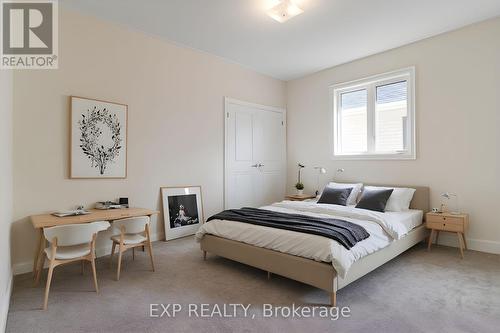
pixel 321 171
pixel 448 196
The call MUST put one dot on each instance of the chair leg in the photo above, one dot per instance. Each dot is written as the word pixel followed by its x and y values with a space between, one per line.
pixel 112 254
pixel 133 253
pixel 150 248
pixel 119 263
pixel 95 275
pixel 83 266
pixel 47 286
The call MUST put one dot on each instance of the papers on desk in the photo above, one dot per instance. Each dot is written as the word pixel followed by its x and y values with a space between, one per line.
pixel 71 213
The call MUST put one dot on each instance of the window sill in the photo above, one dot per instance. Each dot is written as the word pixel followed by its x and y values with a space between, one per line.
pixel 374 157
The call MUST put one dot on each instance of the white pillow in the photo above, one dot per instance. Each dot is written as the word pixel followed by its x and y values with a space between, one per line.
pixel 356 189
pixel 400 198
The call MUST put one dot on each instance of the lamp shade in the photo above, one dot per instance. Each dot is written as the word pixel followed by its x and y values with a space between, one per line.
pixel 320 169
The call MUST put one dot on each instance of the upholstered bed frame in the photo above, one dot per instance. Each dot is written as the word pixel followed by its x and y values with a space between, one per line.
pixel 318 274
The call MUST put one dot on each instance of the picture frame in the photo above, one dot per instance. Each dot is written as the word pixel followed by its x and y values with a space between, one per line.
pixel 98 139
pixel 182 210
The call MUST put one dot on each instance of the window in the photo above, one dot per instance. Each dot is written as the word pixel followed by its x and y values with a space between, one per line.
pixel 374 118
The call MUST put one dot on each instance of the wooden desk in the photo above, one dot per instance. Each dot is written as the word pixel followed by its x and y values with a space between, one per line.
pixel 48 220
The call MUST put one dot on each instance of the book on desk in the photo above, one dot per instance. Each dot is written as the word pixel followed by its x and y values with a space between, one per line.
pixel 71 213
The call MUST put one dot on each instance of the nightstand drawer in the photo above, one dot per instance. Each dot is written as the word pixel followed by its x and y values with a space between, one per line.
pixel 445 219
pixel 445 225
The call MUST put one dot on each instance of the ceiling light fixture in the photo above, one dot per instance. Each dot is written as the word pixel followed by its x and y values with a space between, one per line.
pixel 284 11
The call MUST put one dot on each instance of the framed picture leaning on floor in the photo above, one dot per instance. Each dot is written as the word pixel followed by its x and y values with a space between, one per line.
pixel 182 210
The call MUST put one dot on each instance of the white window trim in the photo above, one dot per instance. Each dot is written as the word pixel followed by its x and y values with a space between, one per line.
pixel 384 78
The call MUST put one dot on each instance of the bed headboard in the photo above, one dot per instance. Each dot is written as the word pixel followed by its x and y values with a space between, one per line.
pixel 421 198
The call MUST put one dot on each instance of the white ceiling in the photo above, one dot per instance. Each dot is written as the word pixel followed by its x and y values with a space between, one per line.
pixel 328 33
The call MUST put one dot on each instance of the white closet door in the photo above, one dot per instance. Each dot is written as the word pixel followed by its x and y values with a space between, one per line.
pixel 241 175
pixel 255 150
pixel 269 152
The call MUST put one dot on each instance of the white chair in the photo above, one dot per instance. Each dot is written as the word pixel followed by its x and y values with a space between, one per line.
pixel 134 232
pixel 70 243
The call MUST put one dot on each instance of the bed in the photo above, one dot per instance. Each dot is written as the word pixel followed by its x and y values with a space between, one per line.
pixel 324 264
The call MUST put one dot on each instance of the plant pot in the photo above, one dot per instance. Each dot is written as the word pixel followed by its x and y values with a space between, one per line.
pixel 300 192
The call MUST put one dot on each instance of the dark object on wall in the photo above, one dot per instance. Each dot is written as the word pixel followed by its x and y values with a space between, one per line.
pixel 124 202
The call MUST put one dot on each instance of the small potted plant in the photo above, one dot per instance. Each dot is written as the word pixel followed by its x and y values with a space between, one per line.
pixel 300 188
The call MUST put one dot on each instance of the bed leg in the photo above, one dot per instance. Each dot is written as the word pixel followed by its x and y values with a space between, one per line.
pixel 269 275
pixel 204 255
pixel 333 299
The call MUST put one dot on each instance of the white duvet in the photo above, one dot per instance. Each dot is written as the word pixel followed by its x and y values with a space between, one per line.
pixel 382 227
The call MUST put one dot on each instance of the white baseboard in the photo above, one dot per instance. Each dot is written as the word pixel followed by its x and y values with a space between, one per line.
pixel 22 267
pixel 4 306
pixel 27 266
pixel 480 245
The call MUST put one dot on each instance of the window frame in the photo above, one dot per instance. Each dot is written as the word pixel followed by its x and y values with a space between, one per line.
pixel 370 84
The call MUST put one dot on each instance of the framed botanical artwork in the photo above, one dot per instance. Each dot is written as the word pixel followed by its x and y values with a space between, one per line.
pixel 98 139
pixel 182 210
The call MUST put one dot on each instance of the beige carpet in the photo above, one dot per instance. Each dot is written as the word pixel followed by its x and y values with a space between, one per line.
pixel 416 292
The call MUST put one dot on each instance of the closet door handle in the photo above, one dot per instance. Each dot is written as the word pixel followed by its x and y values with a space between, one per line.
pixel 254 166
pixel 261 165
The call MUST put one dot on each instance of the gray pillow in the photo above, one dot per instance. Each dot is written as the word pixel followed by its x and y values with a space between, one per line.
pixel 335 196
pixel 374 199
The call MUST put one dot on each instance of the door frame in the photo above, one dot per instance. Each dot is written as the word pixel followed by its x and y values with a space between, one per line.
pixel 229 100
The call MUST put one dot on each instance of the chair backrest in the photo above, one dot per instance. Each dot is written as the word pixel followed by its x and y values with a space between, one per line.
pixel 74 234
pixel 133 225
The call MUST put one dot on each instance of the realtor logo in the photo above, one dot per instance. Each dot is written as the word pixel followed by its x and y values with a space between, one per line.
pixel 29 34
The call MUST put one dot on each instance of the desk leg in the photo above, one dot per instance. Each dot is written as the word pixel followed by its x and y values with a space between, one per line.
pixel 39 255
pixel 37 250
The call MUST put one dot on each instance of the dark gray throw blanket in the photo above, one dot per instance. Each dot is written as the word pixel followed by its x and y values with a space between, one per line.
pixel 346 233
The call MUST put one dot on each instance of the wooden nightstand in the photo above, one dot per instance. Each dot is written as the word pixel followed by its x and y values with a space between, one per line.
pixel 457 223
pixel 296 197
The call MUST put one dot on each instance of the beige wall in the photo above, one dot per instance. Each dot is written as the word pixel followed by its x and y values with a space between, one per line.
pixel 6 85
pixel 458 114
pixel 175 98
